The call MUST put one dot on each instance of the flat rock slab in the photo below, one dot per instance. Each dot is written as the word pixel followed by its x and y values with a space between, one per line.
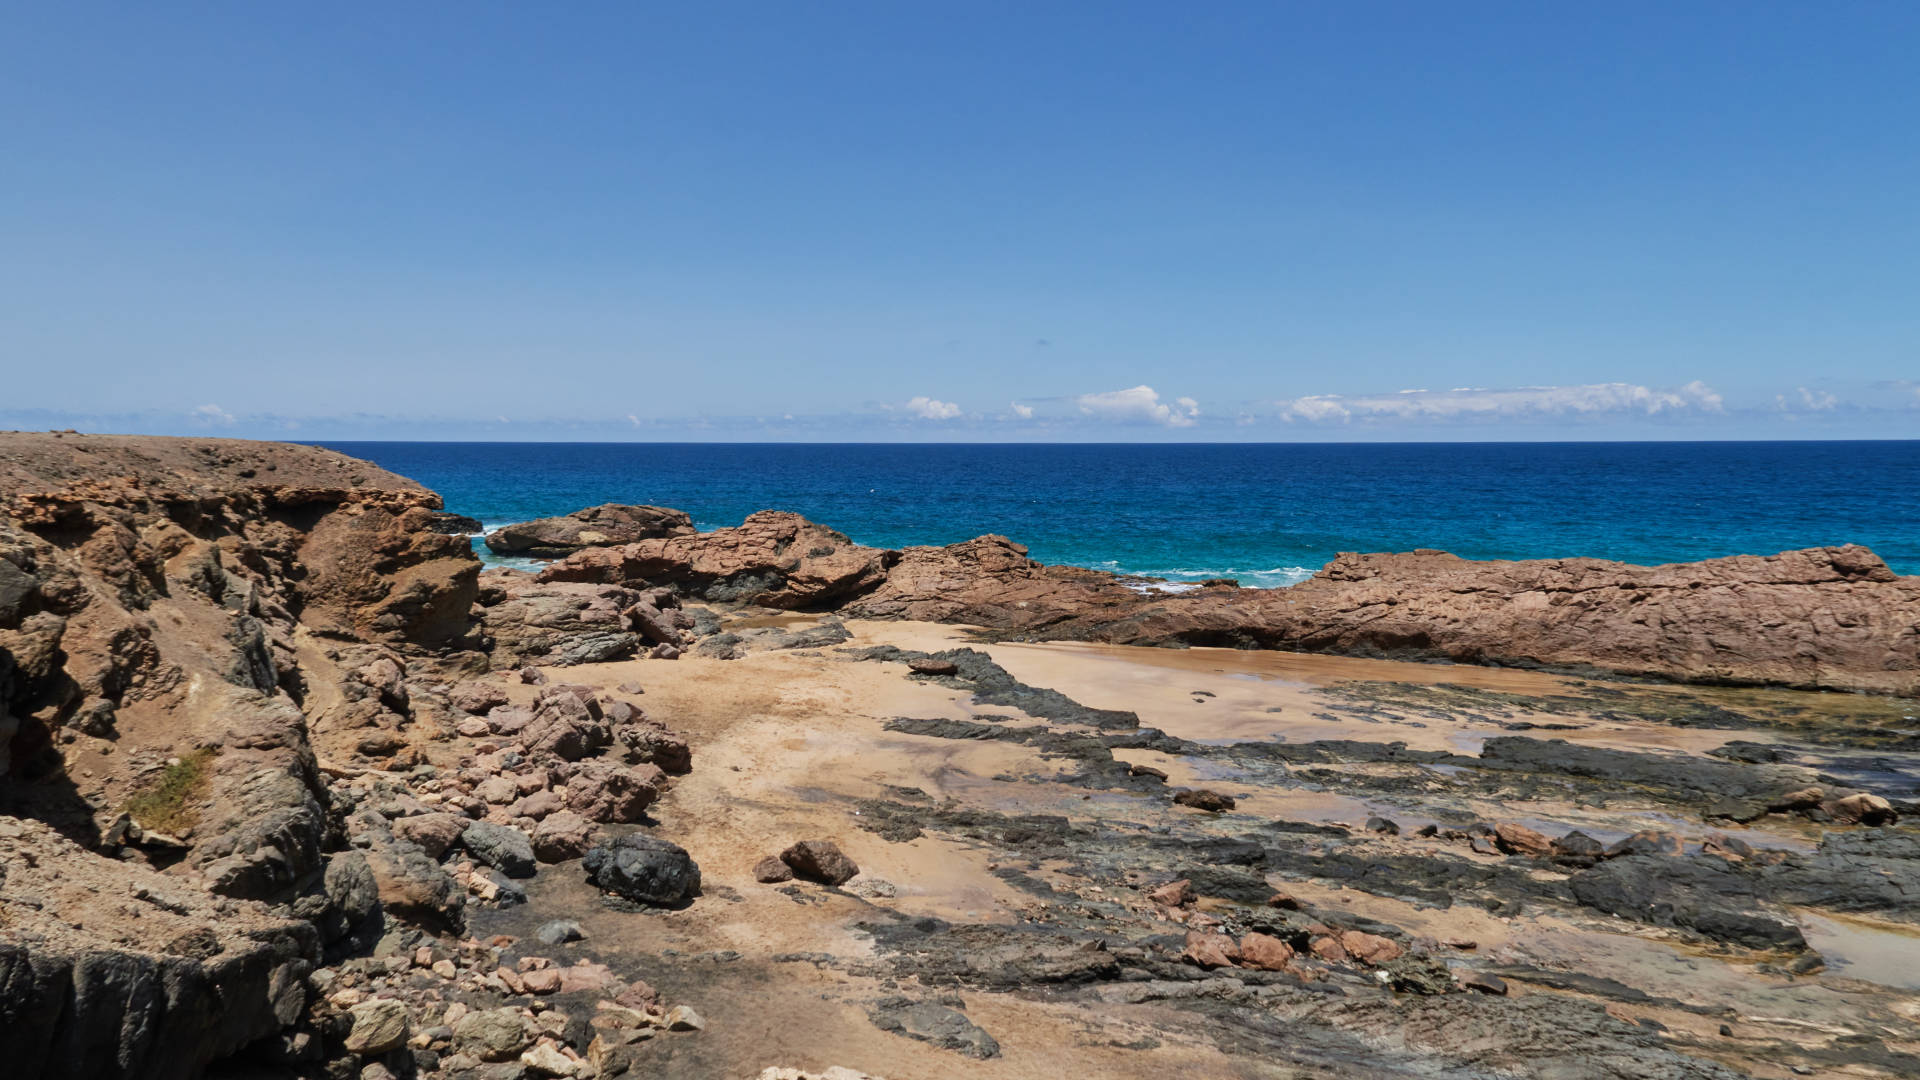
pixel 948 1029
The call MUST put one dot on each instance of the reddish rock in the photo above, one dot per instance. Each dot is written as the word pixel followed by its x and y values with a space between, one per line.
pixel 821 861
pixel 784 560
pixel 928 665
pixel 477 697
pixel 1832 618
pixel 561 836
pixel 1173 894
pixel 1283 901
pixel 434 833
pixel 612 523
pixel 1146 770
pixel 771 871
pixel 1210 950
pixel 613 793
pixel 1264 952
pixel 1520 840
pixel 1327 948
pixel 1370 948
pixel 542 981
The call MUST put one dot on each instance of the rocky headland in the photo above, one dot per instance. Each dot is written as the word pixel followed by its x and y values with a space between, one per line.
pixel 291 786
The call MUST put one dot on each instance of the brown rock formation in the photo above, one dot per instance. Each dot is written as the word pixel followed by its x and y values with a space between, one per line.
pixel 596 526
pixel 1826 618
pixel 774 559
pixel 159 604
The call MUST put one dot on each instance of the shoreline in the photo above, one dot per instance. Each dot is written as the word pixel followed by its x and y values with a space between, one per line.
pixel 440 819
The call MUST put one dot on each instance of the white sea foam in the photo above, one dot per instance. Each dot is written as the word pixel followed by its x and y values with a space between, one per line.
pixel 1182 578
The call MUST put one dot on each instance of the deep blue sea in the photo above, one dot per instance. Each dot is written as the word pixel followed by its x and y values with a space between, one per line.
pixel 1266 514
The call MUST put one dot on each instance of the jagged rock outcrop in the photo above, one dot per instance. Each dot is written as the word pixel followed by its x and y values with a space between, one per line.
pixel 596 526
pixel 113 970
pixel 774 559
pixel 1827 618
pixel 160 604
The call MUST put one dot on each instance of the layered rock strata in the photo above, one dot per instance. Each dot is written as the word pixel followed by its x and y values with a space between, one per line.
pixel 1821 618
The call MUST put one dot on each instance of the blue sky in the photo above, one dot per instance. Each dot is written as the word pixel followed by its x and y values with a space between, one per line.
pixel 952 221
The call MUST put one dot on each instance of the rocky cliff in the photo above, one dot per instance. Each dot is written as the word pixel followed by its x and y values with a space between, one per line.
pixel 171 611
pixel 1824 618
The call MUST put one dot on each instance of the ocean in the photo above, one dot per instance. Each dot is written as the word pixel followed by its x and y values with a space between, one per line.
pixel 1268 514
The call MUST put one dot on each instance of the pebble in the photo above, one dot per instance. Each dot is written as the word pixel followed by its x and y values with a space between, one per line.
pixel 683 1018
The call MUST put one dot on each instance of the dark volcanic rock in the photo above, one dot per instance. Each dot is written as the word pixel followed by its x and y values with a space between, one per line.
pixel 596 526
pixel 948 1029
pixel 502 847
pixel 1704 895
pixel 644 869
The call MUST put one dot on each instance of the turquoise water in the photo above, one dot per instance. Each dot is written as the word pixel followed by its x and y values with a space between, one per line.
pixel 1266 514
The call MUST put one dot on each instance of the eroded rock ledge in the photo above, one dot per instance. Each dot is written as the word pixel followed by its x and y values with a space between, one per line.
pixel 1822 618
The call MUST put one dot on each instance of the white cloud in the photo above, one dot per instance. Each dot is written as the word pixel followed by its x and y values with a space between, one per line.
pixel 213 414
pixel 1024 412
pixel 927 408
pixel 1598 399
pixel 1810 401
pixel 1139 405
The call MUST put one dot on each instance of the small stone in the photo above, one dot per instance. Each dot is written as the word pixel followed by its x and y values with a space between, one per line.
pixel 683 1018
pixel 559 932
pixel 1484 983
pixel 445 969
pixel 1383 826
pixel 771 871
pixel 1212 802
pixel 533 676
pixel 544 981
pixel 492 1034
pixel 1283 901
pixel 928 665
pixel 547 1060
pixel 1147 771
pixel 1173 894
pixel 1519 840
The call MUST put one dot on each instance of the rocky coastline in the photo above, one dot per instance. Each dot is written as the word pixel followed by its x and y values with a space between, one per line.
pixel 292 786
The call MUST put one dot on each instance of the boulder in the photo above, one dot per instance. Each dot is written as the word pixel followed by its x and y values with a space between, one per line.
pixel 772 559
pixel 477 697
pixel 595 526
pixel 614 793
pixel 1210 950
pixel 821 861
pixel 378 1026
pixel 433 833
pixel 1370 948
pixel 561 836
pixel 493 1034
pixel 502 847
pixel 1264 952
pixel 644 869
